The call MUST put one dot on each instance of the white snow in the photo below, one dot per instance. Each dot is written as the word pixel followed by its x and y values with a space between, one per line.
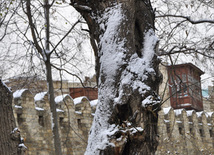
pixel 52 122
pixel 22 146
pixel 186 104
pixel 149 101
pixel 93 103
pixel 6 86
pixel 111 54
pixel 39 109
pixel 166 121
pixel 18 93
pixel 199 114
pixel 112 57
pixel 59 110
pixel 166 110
pixel 78 112
pixel 18 107
pixel 15 130
pixel 209 114
pixel 60 98
pixel 189 112
pixel 78 100
pixel 39 96
pixel 178 111
pixel 136 129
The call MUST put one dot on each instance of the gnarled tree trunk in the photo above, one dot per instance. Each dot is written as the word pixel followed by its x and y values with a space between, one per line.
pixel 9 134
pixel 122 35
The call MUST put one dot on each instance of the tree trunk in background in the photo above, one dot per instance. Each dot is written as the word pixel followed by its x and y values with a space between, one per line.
pixel 9 138
pixel 55 125
pixel 49 78
pixel 122 36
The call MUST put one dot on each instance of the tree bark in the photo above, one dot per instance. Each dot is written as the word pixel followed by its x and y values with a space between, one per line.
pixel 122 36
pixel 55 126
pixel 46 54
pixel 9 138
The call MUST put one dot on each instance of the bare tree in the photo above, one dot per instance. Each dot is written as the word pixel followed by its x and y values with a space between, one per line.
pixel 186 32
pixel 7 10
pixel 46 49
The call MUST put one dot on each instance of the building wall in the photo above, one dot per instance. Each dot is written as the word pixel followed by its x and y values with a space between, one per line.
pixel 180 131
pixel 34 120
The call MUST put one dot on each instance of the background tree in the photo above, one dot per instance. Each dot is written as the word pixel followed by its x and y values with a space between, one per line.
pixel 186 32
pixel 48 42
pixel 122 36
pixel 47 47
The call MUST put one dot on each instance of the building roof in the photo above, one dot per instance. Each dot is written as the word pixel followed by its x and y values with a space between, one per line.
pixel 187 64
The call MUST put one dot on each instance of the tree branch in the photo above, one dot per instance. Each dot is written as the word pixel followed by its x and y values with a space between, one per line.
pixel 188 19
pixel 32 27
pixel 64 36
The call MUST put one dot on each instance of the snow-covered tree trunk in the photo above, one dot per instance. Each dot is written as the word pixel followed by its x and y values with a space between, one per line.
pixel 122 35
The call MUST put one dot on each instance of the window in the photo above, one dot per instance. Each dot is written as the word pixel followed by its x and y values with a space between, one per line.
pixel 184 78
pixel 41 121
pixel 79 123
pixel 61 121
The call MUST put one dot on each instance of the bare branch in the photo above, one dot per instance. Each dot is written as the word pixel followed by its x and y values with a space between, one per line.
pixel 65 36
pixel 32 27
pixel 188 19
pixel 62 69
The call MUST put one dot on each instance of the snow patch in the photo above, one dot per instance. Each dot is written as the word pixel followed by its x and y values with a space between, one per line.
pixel 22 146
pixel 39 96
pixel 166 110
pixel 6 86
pixel 140 67
pixel 93 103
pixel 18 107
pixel 189 112
pixel 15 130
pixel 178 111
pixel 60 98
pixel 78 100
pixel 199 114
pixel 78 112
pixel 18 93
pixel 39 109
pixel 185 104
pixel 209 114
pixel 149 101
pixel 59 110
pixel 136 129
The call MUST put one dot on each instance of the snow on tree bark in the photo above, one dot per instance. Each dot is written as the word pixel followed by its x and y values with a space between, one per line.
pixel 122 35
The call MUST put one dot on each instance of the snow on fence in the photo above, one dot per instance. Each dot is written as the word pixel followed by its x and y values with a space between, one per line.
pixel 180 131
pixel 33 118
pixel 185 132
